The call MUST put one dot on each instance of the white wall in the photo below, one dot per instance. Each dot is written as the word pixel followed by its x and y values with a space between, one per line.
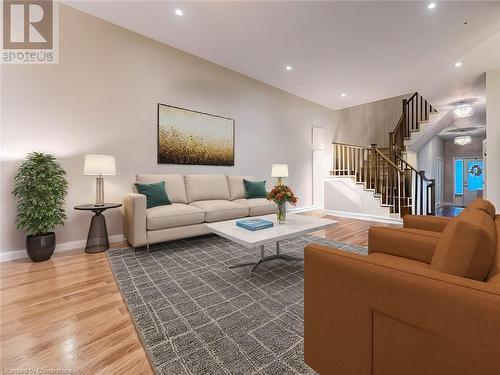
pixel 427 155
pixel 368 123
pixel 346 198
pixel 493 136
pixel 363 125
pixel 102 97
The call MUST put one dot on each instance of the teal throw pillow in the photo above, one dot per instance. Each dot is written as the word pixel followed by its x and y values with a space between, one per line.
pixel 255 189
pixel 156 195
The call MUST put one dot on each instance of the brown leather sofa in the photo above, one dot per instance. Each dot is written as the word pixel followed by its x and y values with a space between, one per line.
pixel 426 300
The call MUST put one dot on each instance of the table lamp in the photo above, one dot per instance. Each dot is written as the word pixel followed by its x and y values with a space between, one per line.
pixel 279 171
pixel 99 165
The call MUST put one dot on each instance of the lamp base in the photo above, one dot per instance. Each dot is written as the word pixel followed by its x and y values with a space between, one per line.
pixel 99 191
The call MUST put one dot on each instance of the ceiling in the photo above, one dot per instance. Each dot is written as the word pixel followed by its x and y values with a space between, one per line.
pixel 474 126
pixel 367 50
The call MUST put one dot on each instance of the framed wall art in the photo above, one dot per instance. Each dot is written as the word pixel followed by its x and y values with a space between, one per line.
pixel 195 138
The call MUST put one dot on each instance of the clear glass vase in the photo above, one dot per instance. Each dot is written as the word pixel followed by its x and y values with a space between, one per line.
pixel 281 213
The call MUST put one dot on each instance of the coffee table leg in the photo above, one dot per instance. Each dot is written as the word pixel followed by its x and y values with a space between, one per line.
pixel 264 258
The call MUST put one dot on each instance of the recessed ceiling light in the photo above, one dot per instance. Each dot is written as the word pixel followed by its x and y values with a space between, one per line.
pixel 343 95
pixel 431 6
pixel 179 12
pixel 458 64
pixel 288 67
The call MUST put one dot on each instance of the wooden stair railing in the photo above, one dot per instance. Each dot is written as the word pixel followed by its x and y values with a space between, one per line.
pixel 399 185
pixel 416 110
pixel 377 173
pixel 424 189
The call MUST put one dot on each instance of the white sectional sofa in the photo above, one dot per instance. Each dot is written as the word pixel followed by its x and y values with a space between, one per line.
pixel 196 200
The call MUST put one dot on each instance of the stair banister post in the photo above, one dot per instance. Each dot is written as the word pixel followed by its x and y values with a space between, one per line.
pixel 422 174
pixel 373 166
pixel 405 122
pixel 391 147
pixel 433 197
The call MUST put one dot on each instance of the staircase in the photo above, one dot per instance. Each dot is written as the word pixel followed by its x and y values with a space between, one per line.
pixel 385 172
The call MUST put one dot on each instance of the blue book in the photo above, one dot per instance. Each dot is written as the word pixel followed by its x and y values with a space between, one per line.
pixel 254 224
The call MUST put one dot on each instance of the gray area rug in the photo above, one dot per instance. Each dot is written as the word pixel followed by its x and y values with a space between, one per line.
pixel 196 316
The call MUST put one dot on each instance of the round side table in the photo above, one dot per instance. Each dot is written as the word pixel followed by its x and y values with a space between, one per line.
pixel 97 239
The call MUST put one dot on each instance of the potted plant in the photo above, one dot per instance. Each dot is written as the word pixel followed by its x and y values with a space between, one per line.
pixel 281 195
pixel 40 188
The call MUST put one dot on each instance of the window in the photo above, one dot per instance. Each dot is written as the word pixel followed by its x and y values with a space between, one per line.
pixel 459 176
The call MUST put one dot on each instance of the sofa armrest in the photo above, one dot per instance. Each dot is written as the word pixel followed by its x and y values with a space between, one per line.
pixel 135 219
pixel 432 223
pixel 408 243
pixel 349 298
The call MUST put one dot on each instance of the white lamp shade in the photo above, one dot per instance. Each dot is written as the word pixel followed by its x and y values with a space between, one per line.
pixel 279 170
pixel 98 164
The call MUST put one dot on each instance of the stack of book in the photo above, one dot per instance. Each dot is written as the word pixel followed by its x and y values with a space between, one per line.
pixel 254 224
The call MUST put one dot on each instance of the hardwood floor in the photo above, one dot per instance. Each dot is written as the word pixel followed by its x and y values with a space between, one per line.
pixel 449 211
pixel 67 313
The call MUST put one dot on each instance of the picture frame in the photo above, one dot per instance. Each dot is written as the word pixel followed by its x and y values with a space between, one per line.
pixel 190 137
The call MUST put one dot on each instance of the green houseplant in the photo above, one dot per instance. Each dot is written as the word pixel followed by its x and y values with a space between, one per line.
pixel 40 188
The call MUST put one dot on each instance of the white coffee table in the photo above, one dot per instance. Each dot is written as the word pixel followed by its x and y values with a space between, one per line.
pixel 296 225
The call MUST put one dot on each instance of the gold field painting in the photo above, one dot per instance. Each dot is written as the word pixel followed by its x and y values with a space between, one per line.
pixel 191 137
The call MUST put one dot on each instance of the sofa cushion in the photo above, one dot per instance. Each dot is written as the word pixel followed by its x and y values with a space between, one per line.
pixel 174 215
pixel 201 187
pixel 495 268
pixel 236 186
pixel 410 243
pixel 218 210
pixel 156 194
pixel 394 261
pixel 255 189
pixel 467 246
pixel 484 205
pixel 258 206
pixel 174 185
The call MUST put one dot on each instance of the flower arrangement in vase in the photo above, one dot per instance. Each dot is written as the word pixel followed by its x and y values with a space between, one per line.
pixel 281 195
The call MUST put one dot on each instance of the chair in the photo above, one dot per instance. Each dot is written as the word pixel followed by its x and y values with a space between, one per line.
pixel 426 300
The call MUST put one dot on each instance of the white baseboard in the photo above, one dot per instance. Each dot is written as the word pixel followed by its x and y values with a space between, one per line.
pixel 367 217
pixel 64 246
pixel 72 245
pixel 305 209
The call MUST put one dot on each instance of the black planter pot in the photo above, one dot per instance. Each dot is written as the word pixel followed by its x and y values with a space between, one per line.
pixel 41 248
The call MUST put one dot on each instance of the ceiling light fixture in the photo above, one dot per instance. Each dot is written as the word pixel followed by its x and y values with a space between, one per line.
pixel 343 95
pixel 431 6
pixel 288 67
pixel 179 12
pixel 462 140
pixel 463 110
pixel 458 64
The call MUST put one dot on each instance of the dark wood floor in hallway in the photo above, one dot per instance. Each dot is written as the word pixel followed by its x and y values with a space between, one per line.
pixel 67 313
pixel 449 211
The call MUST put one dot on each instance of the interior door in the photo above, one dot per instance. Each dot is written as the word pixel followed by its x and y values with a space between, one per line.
pixel 468 175
pixel 473 179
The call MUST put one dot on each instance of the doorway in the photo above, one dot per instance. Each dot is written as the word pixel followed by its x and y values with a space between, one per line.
pixel 468 179
pixel 439 181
